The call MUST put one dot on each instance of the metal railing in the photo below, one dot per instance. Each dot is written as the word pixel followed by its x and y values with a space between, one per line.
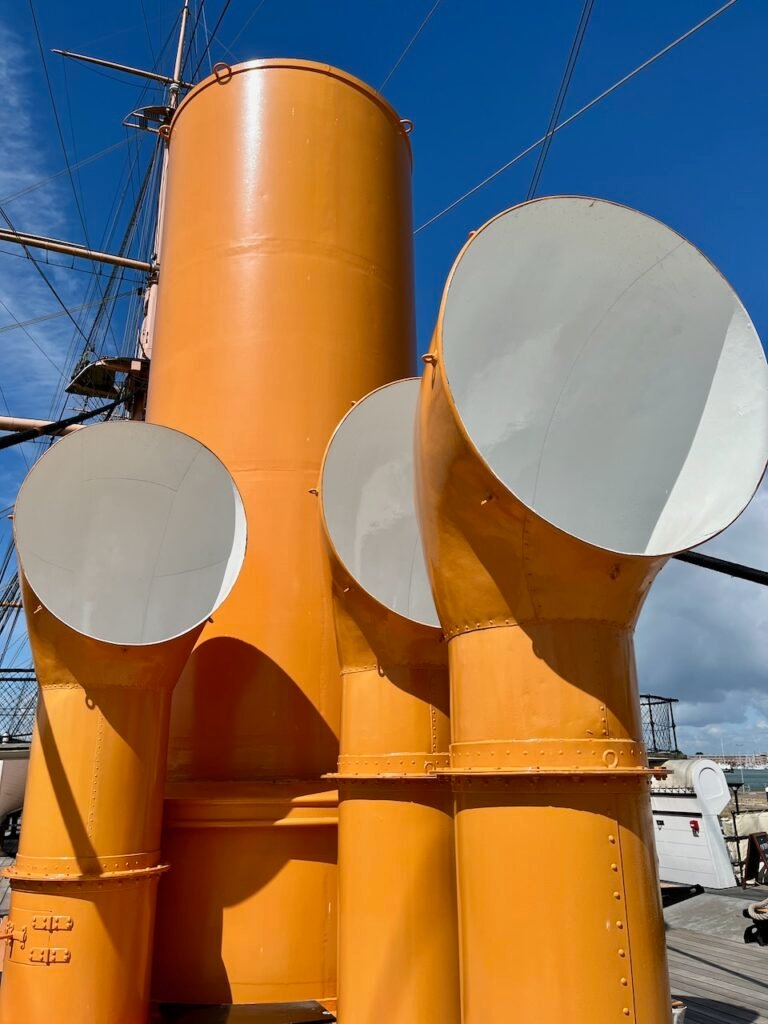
pixel 658 720
pixel 18 701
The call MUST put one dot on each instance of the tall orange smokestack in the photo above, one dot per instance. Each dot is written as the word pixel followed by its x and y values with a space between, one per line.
pixel 596 399
pixel 285 295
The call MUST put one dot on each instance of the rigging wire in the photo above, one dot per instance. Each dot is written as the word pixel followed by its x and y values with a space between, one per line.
pixel 224 10
pixel 123 81
pixel 208 41
pixel 52 316
pixel 413 39
pixel 92 345
pixel 47 262
pixel 582 110
pixel 252 15
pixel 57 174
pixel 21 451
pixel 140 218
pixel 77 198
pixel 39 348
pixel 192 32
pixel 149 34
pixel 42 274
pixel 207 35
pixel 68 106
pixel 562 92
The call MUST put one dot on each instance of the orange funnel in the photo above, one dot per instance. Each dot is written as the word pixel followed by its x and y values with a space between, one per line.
pixel 285 295
pixel 146 539
pixel 595 399
pixel 398 945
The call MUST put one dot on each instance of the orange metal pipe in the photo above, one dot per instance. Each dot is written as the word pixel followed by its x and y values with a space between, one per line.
pixel 147 540
pixel 285 295
pixel 85 879
pixel 397 908
pixel 547 758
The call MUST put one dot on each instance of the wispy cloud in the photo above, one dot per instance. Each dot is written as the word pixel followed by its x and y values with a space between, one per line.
pixel 29 381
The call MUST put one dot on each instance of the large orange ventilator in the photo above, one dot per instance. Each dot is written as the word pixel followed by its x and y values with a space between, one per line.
pixel 398 952
pixel 128 538
pixel 285 294
pixel 596 400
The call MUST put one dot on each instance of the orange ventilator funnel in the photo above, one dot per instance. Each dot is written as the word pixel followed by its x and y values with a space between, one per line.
pixel 595 399
pixel 397 893
pixel 128 537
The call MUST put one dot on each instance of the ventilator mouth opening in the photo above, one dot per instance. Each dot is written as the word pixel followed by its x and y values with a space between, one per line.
pixel 130 533
pixel 607 374
pixel 368 501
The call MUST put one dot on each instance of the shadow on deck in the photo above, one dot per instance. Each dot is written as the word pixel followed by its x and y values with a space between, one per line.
pixel 720 980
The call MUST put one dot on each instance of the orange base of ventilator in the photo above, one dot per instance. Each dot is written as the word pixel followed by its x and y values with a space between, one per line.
pixel 79 951
pixel 566 956
pixel 397 914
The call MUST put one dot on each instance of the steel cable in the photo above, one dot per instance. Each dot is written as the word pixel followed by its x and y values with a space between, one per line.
pixel 582 110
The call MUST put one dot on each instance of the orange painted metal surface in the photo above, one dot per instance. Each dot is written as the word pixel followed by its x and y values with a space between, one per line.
pixel 270 847
pixel 85 880
pixel 398 942
pixel 285 295
pixel 547 759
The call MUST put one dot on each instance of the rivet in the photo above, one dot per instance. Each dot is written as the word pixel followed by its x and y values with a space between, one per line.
pixel 611 839
pixel 625 1011
pixel 614 867
pixel 622 952
pixel 624 981
pixel 617 895
pixel 620 925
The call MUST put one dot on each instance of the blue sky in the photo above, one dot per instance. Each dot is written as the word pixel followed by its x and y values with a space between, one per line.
pixel 686 141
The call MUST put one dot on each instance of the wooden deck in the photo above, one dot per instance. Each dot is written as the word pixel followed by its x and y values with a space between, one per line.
pixel 719 980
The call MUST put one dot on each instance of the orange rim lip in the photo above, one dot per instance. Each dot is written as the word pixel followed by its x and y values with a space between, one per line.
pixel 299 65
pixel 436 348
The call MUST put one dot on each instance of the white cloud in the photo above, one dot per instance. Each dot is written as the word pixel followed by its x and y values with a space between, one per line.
pixel 703 637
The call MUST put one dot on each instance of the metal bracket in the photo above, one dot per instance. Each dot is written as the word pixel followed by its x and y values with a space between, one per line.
pixel 149 119
pixel 46 956
pixel 52 923
pixel 11 935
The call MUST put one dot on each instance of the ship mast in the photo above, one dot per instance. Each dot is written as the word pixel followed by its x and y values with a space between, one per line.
pixel 94 379
pixel 144 346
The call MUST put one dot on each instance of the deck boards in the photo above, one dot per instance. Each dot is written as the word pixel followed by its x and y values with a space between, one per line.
pixel 720 981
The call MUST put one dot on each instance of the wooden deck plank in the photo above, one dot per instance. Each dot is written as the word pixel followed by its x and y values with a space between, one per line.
pixel 721 981
pixel 682 974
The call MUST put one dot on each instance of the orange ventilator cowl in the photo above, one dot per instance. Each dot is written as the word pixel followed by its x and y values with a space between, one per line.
pixel 146 541
pixel 397 891
pixel 595 399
